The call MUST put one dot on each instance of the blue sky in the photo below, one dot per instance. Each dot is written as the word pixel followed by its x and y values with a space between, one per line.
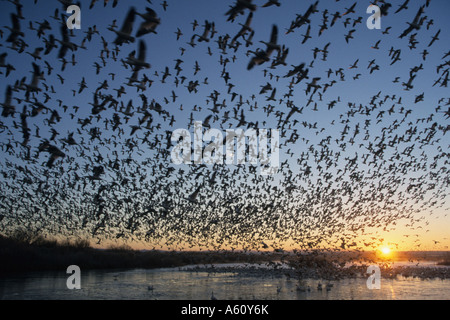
pixel 163 48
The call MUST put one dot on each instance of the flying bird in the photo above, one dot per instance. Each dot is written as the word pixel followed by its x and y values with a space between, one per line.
pixel 124 35
pixel 150 23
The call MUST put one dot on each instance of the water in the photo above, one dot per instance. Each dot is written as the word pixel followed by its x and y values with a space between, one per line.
pixel 175 284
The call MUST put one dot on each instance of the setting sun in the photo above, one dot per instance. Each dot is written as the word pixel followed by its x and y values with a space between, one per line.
pixel 385 250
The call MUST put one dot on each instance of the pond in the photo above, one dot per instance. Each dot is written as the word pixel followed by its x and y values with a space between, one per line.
pixel 197 284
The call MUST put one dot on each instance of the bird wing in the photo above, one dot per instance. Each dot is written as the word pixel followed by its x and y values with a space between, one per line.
pixel 132 54
pixel 308 12
pixel 8 97
pixel 406 31
pixel 36 75
pixel 142 51
pixel 65 34
pixel 352 7
pixel 128 24
pixel 151 12
pixel 15 21
pixel 249 19
pixel 274 35
pixel 417 17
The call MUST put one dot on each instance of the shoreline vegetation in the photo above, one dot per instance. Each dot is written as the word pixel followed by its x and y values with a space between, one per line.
pixel 24 252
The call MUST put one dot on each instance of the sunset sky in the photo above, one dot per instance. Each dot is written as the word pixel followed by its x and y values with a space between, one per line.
pixel 150 203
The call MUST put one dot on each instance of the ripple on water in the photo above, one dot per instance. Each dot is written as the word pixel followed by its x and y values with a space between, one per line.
pixel 173 284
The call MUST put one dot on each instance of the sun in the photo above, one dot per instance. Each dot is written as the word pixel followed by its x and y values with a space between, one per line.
pixel 386 251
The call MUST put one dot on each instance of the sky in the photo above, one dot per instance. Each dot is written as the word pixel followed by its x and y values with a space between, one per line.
pixel 71 205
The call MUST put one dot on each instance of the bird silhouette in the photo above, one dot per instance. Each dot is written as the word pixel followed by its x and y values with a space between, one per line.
pixel 124 35
pixel 150 23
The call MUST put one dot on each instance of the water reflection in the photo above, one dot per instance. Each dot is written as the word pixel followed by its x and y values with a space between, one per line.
pixel 173 284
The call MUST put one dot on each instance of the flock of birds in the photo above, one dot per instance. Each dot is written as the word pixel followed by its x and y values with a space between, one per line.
pixel 104 171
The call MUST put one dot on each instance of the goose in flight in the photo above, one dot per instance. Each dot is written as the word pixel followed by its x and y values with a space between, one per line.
pixel 245 28
pixel 349 35
pixel 384 9
pixel 239 8
pixel 447 113
pixel 350 10
pixel 313 84
pixel 408 85
pixel 273 44
pixel 419 98
pixel 376 46
pixel 15 30
pixel 42 27
pixel 404 5
pixel 8 108
pixel 55 153
pixel 260 56
pixel 435 37
pixel 36 54
pixel 67 3
pixel 150 23
pixel 272 96
pixel 307 35
pixel 415 24
pixel 302 19
pixel 296 70
pixel 164 4
pixel 271 3
pixel 205 35
pixel 33 86
pixel 354 65
pixel 3 64
pixel 98 107
pixel 105 2
pixel 50 44
pixel 65 43
pixel 124 35
pixel 336 16
pixel 139 62
pixel 178 33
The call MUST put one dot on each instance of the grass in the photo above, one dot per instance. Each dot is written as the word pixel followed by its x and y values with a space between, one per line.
pixel 25 252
